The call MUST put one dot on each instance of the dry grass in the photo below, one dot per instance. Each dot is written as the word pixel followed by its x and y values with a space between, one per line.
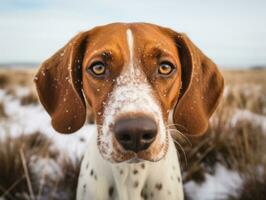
pixel 18 177
pixel 29 99
pixel 15 77
pixel 253 189
pixel 4 80
pixel 12 173
pixel 239 77
pixel 2 111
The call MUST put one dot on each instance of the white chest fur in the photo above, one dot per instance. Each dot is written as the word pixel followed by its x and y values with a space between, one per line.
pixel 102 180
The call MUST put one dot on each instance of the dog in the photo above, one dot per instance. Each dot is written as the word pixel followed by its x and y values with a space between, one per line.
pixel 136 78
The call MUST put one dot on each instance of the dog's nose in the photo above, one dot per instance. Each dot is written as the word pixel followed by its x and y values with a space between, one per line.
pixel 135 133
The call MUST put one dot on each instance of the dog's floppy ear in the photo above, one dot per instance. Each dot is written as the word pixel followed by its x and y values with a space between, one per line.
pixel 202 87
pixel 59 86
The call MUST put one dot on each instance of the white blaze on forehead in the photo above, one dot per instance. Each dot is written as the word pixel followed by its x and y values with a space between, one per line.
pixel 130 42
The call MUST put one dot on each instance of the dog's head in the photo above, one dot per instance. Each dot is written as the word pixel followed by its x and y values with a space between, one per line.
pixel 134 77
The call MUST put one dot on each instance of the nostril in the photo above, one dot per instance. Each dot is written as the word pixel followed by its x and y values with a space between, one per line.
pixel 124 138
pixel 148 136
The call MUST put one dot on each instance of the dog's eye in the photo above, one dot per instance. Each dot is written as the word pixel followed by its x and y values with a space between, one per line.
pixel 166 68
pixel 97 68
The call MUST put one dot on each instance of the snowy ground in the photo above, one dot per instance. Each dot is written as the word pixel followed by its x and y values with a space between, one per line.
pixel 28 119
pixel 217 186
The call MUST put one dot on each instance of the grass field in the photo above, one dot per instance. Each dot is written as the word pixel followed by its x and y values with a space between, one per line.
pixel 227 163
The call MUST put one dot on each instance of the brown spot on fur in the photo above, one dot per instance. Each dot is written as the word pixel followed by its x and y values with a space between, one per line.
pixel 111 191
pixel 143 194
pixel 135 171
pixel 158 186
pixel 136 184
pixel 142 165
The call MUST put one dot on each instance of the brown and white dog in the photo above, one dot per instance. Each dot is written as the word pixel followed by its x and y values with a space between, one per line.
pixel 134 77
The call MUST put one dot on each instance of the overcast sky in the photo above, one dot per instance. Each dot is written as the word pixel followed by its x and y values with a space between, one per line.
pixel 232 32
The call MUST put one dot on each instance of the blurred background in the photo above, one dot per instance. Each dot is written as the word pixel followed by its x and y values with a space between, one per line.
pixel 226 163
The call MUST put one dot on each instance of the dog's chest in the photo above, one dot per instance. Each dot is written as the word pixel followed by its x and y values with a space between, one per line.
pixel 101 180
pixel 130 180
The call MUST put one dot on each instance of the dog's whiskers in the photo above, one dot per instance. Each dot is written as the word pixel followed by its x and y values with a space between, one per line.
pixel 183 151
pixel 179 125
pixel 176 124
pixel 176 133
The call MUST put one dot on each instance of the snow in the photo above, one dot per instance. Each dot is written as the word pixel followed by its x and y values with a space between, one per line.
pixel 33 118
pixel 216 186
pixel 46 167
pixel 256 119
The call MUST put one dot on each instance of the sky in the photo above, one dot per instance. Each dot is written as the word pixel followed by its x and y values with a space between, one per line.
pixel 231 32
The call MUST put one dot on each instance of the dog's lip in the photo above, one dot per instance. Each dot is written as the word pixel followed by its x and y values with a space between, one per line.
pixel 132 157
pixel 134 160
